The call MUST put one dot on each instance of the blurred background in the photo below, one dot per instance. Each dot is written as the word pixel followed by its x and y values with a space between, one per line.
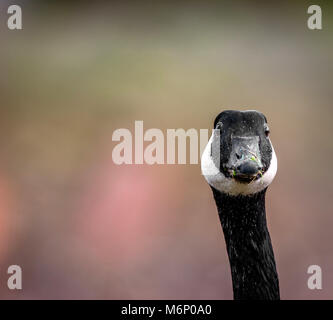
pixel 82 227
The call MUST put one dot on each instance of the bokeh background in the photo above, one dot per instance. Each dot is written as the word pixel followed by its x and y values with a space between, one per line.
pixel 82 227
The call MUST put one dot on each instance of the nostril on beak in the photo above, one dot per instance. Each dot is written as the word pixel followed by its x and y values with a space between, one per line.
pixel 248 168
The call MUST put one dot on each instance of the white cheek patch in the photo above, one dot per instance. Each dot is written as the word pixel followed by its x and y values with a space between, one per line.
pixel 229 185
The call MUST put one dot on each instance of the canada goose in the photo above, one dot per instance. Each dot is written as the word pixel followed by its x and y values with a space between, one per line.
pixel 239 163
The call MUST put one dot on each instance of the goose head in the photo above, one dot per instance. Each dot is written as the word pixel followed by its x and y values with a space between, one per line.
pixel 239 158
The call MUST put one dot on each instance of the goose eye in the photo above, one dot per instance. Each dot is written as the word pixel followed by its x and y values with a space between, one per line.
pixel 266 130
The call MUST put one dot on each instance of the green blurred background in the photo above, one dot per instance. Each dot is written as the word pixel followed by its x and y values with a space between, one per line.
pixel 82 227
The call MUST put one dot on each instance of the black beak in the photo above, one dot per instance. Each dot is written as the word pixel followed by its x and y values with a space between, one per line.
pixel 247 171
pixel 245 160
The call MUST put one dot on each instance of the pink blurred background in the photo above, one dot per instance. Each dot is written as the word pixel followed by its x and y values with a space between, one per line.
pixel 82 227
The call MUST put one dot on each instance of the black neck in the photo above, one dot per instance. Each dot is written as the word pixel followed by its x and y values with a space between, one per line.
pixel 249 247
